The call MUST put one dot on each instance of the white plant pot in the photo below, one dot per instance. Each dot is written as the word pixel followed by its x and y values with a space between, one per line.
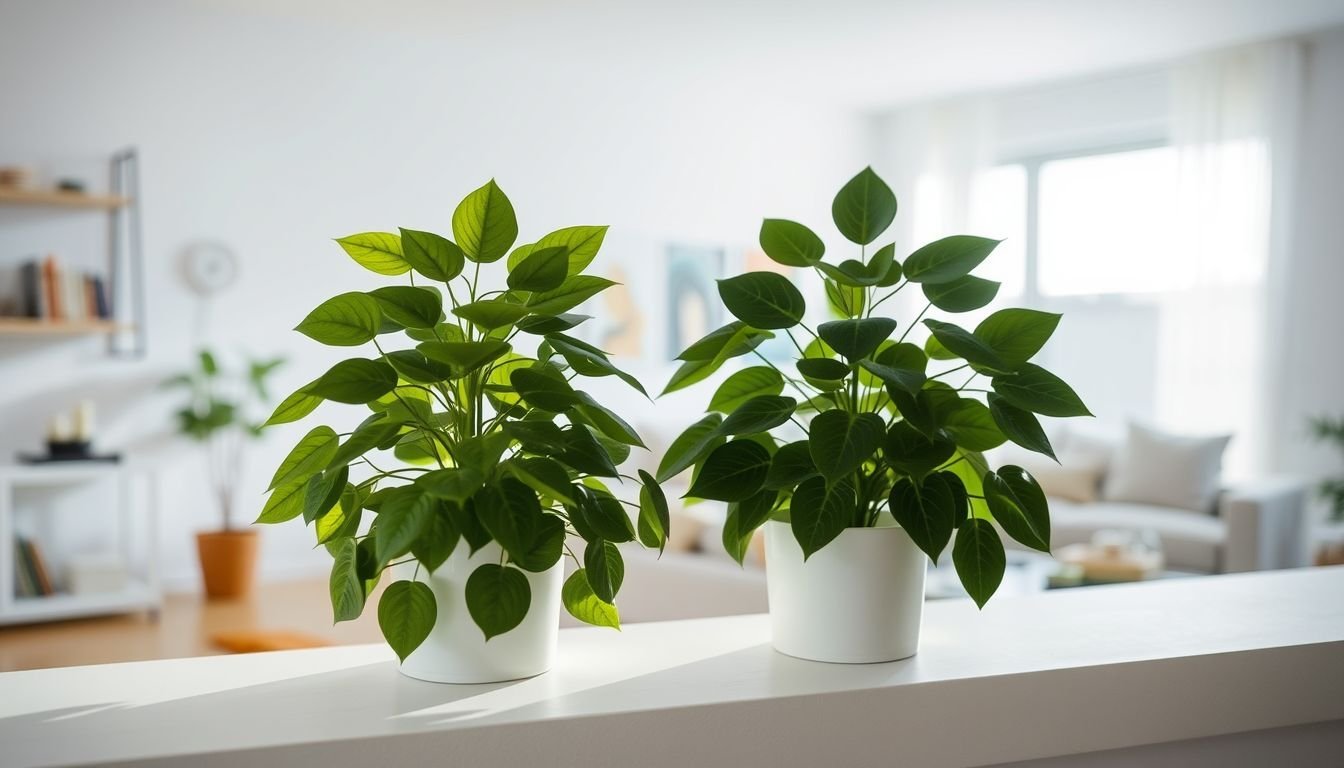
pixel 857 600
pixel 456 650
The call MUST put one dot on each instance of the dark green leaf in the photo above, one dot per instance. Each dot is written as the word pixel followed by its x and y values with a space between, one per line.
pixel 884 266
pixel 543 270
pixel 791 243
pixel 605 420
pixel 791 465
pixel 948 259
pixel 433 256
pixel 844 300
pixel 1018 504
pixel 841 441
pixel 583 453
pixel 542 437
pixel 484 224
pixel 590 361
pixel 979 559
pixel 466 521
pixel 543 324
pixel 573 292
pixel 744 517
pixel 732 472
pixel 856 339
pixel 322 492
pixel 910 452
pixel 491 313
pixel 543 475
pixel 1016 335
pixel 908 380
pixel 412 365
pixel 961 295
pixel 744 385
pixel 401 519
pixel 347 320
pixel 355 381
pixel 377 252
pixel 509 511
pixel 367 436
pixel 605 517
pixel 926 511
pixel 437 540
pixel 345 586
pixel 408 306
pixel 823 372
pixel 654 516
pixel 463 357
pixel 965 345
pixel 731 340
pixel 864 208
pixel 455 484
pixel 765 300
pixel 604 568
pixel 690 446
pixel 546 547
pixel 851 272
pixel 497 598
pixel 406 613
pixel 542 390
pixel 819 512
pixel 1040 391
pixel 759 414
pixel 584 604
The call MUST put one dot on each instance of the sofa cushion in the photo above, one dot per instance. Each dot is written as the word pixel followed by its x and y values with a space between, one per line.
pixel 1167 470
pixel 1189 542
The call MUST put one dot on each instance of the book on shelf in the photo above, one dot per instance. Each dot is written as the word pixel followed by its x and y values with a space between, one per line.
pixel 31 578
pixel 49 291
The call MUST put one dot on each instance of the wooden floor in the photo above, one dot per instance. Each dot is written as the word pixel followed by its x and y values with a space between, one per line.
pixel 184 628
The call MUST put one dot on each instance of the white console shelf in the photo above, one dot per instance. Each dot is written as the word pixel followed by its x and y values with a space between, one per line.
pixel 1243 670
pixel 131 532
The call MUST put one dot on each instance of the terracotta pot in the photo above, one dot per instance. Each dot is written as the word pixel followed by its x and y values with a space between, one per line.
pixel 228 562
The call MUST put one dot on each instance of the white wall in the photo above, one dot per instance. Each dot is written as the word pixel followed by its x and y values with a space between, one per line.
pixel 276 134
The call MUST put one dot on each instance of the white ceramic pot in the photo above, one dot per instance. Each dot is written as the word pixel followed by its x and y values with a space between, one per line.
pixel 857 600
pixel 456 650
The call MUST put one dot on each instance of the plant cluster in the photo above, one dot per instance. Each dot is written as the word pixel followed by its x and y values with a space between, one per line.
pixel 889 430
pixel 219 413
pixel 1331 431
pixel 489 444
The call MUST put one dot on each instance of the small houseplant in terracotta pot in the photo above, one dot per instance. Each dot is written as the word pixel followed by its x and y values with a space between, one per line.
pixel 220 415
pixel 480 459
pixel 866 453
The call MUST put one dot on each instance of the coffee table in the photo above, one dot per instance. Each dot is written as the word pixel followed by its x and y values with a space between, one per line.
pixel 1027 573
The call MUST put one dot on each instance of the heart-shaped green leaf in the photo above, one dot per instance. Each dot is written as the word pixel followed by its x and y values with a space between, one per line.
pixel 927 511
pixel 841 441
pixel 732 472
pixel 544 269
pixel 406 613
pixel 765 300
pixel 910 452
pixel 690 446
pixel 408 306
pixel 791 465
pixel 971 424
pixel 498 597
pixel 377 252
pixel 744 385
pixel 433 256
pixel 484 224
pixel 791 243
pixel 1016 335
pixel 856 339
pixel 584 604
pixel 819 512
pixel 864 208
pixel 347 320
pixel 463 357
pixel 580 243
pixel 1018 504
pixel 604 568
pixel 355 381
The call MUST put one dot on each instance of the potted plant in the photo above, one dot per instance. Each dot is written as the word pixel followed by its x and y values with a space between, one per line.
pixel 219 414
pixel 479 460
pixel 884 464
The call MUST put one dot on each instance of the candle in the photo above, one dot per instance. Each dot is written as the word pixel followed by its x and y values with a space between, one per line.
pixel 84 421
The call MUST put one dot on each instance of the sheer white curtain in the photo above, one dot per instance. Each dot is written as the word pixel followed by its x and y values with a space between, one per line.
pixel 1233 123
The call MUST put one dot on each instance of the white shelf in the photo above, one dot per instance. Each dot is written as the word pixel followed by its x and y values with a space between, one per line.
pixel 58 473
pixel 135 596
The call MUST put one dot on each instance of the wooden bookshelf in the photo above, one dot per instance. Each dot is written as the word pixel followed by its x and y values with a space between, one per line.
pixel 44 198
pixel 32 326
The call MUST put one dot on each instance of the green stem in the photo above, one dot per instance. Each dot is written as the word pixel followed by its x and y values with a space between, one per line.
pixel 915 322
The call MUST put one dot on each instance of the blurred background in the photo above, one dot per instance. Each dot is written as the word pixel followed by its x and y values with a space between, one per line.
pixel 1168 175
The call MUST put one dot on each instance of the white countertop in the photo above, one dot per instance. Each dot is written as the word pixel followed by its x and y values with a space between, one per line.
pixel 1052 674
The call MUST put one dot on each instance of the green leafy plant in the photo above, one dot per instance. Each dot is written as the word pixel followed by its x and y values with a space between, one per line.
pixel 1331 431
pixel 487 443
pixel 220 413
pixel 887 430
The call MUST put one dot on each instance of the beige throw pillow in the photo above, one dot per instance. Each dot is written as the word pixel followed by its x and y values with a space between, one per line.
pixel 1167 470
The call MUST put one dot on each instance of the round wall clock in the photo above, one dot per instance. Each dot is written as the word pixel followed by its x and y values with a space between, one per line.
pixel 209 267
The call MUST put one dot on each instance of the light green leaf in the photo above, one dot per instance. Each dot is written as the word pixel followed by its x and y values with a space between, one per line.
pixel 692 444
pixel 463 357
pixel 571 293
pixel 406 613
pixel 744 385
pixel 347 320
pixel 307 458
pixel 584 605
pixel 285 503
pixel 843 300
pixel 377 252
pixel 345 586
pixel 484 224
pixel 581 243
pixel 294 407
pixel 491 313
pixel 970 423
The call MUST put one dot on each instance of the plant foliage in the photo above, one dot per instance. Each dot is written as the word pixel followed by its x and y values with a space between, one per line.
pixel 894 430
pixel 477 430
